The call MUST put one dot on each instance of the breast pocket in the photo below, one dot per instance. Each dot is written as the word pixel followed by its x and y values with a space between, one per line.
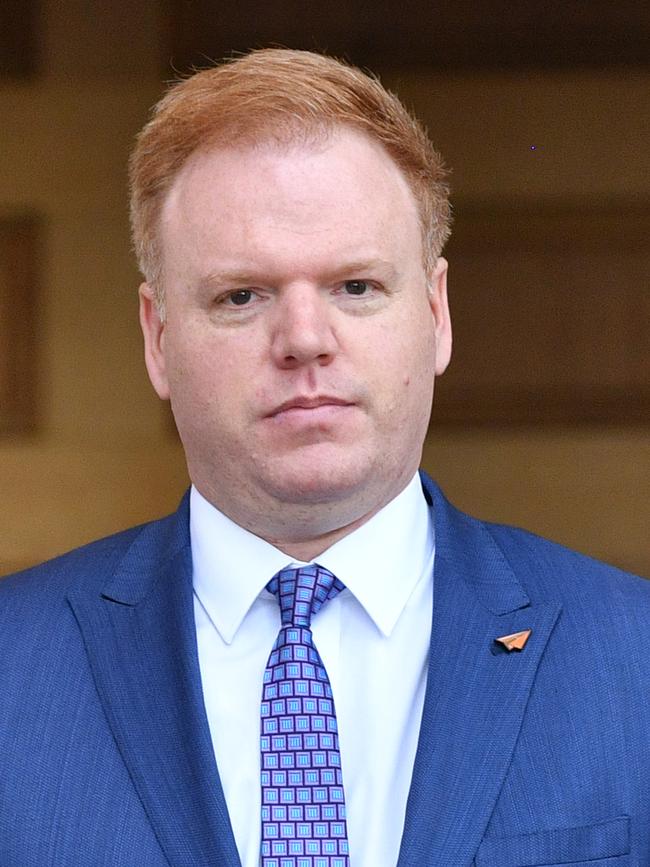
pixel 604 844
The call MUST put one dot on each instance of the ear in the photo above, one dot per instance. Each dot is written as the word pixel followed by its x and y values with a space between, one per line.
pixel 153 331
pixel 440 309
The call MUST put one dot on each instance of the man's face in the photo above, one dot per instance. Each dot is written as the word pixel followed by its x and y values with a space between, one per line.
pixel 301 340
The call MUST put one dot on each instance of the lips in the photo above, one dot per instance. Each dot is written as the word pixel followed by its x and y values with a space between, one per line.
pixel 305 403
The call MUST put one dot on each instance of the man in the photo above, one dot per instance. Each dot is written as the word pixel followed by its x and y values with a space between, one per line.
pixel 434 690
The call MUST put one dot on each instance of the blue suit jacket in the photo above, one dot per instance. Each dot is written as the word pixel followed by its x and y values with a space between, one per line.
pixel 538 757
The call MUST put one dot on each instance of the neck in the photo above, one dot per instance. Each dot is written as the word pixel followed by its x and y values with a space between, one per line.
pixel 305 531
pixel 305 550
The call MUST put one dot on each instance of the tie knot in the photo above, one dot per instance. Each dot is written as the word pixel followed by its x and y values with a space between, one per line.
pixel 302 592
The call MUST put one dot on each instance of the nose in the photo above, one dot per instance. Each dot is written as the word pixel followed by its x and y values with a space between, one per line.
pixel 303 331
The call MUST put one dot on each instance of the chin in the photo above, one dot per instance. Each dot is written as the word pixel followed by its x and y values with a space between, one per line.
pixel 324 483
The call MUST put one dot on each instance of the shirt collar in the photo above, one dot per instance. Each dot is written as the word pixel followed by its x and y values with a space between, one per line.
pixel 380 562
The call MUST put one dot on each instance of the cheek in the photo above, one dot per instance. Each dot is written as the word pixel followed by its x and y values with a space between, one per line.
pixel 202 369
pixel 416 371
pixel 413 357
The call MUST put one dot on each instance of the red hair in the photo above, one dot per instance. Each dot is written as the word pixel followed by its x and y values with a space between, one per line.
pixel 285 96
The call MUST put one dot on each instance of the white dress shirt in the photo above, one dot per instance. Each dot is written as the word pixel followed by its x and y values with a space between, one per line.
pixel 373 639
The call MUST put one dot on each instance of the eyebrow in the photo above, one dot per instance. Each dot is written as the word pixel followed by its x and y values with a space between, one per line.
pixel 226 279
pixel 380 266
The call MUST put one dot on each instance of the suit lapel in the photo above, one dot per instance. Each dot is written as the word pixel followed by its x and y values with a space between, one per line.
pixel 476 692
pixel 140 637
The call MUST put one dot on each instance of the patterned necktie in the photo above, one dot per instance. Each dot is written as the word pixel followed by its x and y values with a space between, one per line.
pixel 303 808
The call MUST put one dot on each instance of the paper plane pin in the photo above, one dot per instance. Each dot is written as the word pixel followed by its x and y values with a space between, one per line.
pixel 516 641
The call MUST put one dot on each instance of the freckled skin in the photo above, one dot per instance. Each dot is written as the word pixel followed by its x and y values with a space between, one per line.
pixel 295 274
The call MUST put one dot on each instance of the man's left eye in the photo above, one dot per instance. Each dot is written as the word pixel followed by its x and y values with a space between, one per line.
pixel 357 287
pixel 240 297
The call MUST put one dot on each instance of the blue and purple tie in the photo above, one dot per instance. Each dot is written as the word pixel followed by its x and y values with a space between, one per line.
pixel 303 807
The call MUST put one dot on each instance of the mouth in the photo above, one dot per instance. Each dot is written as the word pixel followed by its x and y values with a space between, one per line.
pixel 303 404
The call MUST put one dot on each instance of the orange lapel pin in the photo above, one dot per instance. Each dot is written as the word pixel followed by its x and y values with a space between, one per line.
pixel 516 641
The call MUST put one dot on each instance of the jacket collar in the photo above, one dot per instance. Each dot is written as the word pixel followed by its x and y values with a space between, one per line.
pixel 476 693
pixel 138 628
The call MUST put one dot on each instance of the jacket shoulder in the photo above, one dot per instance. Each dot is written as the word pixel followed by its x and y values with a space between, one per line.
pixel 549 569
pixel 90 563
pixel 544 569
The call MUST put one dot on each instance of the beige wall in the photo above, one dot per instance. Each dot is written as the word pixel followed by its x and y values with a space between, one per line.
pixel 105 457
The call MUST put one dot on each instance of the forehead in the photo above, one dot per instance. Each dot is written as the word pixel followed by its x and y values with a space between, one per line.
pixel 340 191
